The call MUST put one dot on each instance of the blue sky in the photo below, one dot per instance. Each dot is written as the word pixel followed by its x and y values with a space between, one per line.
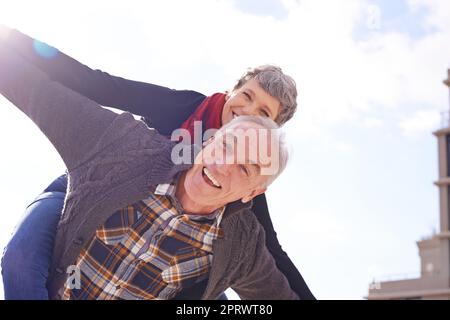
pixel 359 190
pixel 392 16
pixel 273 8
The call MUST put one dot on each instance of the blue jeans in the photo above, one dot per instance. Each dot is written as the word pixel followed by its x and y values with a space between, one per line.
pixel 27 257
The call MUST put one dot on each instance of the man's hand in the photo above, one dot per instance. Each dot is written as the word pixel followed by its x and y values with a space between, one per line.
pixel 4 32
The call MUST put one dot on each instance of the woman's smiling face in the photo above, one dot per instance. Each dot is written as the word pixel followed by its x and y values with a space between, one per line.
pixel 250 100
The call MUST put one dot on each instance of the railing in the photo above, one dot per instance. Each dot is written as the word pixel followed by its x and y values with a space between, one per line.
pixel 375 284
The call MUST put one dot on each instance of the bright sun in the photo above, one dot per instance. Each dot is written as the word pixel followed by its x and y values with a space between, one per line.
pixel 23 14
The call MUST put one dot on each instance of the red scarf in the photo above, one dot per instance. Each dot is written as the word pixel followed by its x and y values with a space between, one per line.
pixel 209 112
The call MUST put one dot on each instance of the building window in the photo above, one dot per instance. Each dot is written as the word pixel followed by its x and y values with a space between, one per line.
pixel 448 208
pixel 448 154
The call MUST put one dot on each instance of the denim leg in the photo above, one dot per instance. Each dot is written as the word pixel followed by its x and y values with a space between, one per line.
pixel 27 257
pixel 223 296
pixel 59 184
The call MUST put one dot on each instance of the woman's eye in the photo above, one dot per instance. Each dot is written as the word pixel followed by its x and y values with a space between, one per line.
pixel 246 95
pixel 265 113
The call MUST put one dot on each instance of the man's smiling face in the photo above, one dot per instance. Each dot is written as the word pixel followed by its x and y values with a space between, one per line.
pixel 228 169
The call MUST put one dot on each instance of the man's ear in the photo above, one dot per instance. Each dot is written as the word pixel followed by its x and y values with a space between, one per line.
pixel 254 193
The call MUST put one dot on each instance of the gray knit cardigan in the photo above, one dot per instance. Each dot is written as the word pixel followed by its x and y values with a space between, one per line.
pixel 114 160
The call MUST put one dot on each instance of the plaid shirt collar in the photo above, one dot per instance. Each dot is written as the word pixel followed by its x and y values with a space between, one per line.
pixel 169 190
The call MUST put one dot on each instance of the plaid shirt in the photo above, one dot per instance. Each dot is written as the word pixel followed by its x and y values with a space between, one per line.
pixel 148 250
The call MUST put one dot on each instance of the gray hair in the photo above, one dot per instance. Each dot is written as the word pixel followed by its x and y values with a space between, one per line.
pixel 279 85
pixel 271 125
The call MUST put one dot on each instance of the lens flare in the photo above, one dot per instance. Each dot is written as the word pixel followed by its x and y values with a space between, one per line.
pixel 44 50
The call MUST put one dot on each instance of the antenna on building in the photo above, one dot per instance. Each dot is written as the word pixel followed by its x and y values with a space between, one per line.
pixel 447 82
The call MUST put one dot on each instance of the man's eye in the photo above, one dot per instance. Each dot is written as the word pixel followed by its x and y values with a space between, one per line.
pixel 246 95
pixel 226 146
pixel 244 170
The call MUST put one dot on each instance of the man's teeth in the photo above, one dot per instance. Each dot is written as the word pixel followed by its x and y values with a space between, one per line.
pixel 211 178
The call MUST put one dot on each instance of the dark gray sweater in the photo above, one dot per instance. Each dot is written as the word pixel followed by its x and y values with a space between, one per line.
pixel 113 161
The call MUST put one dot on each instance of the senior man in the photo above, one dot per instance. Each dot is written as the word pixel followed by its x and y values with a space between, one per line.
pixel 134 224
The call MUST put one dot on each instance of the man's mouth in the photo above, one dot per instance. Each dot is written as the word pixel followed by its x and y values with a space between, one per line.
pixel 210 179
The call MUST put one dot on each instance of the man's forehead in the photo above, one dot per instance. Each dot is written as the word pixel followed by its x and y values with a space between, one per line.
pixel 253 144
pixel 251 137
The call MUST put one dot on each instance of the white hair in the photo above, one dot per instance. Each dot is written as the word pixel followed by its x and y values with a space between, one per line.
pixel 271 125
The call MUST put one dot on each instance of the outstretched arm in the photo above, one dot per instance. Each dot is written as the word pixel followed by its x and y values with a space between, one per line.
pixel 72 122
pixel 166 108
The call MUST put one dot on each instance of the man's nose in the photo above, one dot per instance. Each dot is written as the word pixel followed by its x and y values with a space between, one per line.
pixel 224 169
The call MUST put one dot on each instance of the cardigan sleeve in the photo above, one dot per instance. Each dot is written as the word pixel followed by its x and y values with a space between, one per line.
pixel 166 109
pixel 73 123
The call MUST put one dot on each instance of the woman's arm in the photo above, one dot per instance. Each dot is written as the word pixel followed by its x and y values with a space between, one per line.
pixel 261 279
pixel 165 108
pixel 284 264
